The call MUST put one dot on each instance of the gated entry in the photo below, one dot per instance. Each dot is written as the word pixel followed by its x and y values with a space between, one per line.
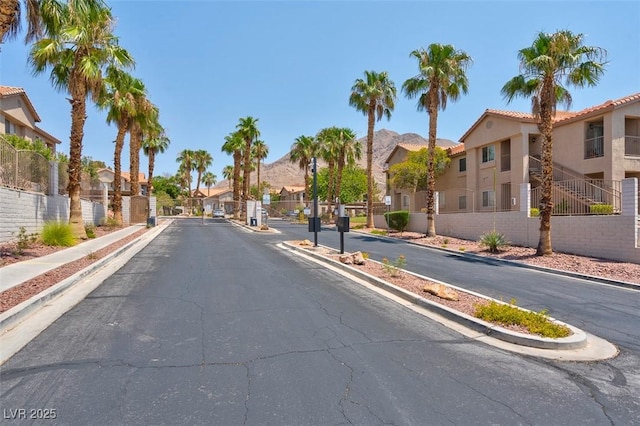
pixel 139 209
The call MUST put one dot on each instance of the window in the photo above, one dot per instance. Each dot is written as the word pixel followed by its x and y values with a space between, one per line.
pixel 441 199
pixel 505 156
pixel 488 153
pixel 462 165
pixel 9 127
pixel 488 198
pixel 462 202
pixel 594 141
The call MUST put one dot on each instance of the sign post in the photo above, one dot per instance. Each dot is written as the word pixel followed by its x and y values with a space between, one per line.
pixel 387 202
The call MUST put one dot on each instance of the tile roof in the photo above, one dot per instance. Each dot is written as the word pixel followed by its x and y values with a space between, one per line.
pixel 456 150
pixel 6 91
pixel 596 109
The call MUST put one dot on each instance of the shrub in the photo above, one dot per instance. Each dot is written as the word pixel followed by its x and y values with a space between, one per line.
pixel 90 230
pixel 110 222
pixel 24 240
pixel 57 234
pixel 601 209
pixel 534 212
pixel 536 322
pixel 394 268
pixel 397 220
pixel 493 240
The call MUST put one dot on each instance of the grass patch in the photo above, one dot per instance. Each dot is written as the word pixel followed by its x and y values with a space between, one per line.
pixel 58 234
pixel 378 232
pixel 358 220
pixel 536 322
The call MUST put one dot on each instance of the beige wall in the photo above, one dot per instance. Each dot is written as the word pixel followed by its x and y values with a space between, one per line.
pixel 14 109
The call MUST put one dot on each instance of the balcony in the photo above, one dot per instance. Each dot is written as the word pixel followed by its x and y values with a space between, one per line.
pixel 594 147
pixel 632 146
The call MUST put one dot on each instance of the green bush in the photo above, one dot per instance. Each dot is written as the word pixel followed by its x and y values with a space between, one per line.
pixel 378 232
pixel 397 220
pixel 534 212
pixel 535 322
pixel 493 240
pixel 24 240
pixel 90 230
pixel 601 209
pixel 394 268
pixel 58 234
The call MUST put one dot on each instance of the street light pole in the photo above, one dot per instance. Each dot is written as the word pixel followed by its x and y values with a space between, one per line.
pixel 315 202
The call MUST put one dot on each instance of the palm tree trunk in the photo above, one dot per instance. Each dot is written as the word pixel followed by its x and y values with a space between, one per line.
pixel 117 175
pixel 152 160
pixel 431 181
pixel 78 117
pixel 330 189
pixel 546 201
pixel 8 10
pixel 246 178
pixel 237 158
pixel 258 184
pixel 307 187
pixel 370 127
pixel 134 159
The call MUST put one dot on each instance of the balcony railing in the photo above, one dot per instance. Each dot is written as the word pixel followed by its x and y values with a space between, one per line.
pixel 594 147
pixel 576 197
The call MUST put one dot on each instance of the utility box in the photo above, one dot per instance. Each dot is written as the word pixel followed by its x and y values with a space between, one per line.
pixel 314 224
pixel 151 221
pixel 342 222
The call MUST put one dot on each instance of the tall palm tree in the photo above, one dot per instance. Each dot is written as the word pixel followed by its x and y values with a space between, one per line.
pixel 202 160
pixel 248 130
pixel 119 99
pixel 442 78
pixel 209 179
pixel 186 158
pixel 550 60
pixel 143 125
pixel 375 96
pixel 349 151
pixel 234 145
pixel 152 146
pixel 259 151
pixel 11 12
pixel 302 152
pixel 227 173
pixel 329 150
pixel 78 44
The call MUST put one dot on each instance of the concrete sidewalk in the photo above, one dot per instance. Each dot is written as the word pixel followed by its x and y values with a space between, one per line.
pixel 17 273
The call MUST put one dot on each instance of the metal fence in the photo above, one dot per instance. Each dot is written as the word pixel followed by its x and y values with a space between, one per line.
pixel 582 197
pixel 23 169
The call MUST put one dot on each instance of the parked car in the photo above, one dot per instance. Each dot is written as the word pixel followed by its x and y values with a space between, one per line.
pixel 218 213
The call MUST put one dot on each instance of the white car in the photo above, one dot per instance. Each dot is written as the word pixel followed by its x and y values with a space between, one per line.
pixel 218 213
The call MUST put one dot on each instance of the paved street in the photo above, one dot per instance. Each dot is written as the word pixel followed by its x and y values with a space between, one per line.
pixel 210 324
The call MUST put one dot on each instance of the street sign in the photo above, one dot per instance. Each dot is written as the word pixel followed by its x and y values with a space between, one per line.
pixel 266 199
pixel 387 200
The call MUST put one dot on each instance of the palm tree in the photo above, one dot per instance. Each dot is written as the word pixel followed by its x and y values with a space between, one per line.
pixel 10 14
pixel 349 150
pixel 329 151
pixel 186 158
pixel 442 78
pixel 119 99
pixel 233 145
pixel 259 151
pixel 144 125
pixel 209 179
pixel 375 96
pixel 152 146
pixel 248 130
pixel 78 45
pixel 302 152
pixel 227 173
pixel 202 161
pixel 544 65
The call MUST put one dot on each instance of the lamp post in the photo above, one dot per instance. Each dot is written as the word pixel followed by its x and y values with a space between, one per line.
pixel 315 202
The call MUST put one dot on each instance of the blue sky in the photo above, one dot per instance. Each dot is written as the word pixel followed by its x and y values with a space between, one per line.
pixel 291 64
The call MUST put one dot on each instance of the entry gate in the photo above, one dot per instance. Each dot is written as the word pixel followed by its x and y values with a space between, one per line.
pixel 139 209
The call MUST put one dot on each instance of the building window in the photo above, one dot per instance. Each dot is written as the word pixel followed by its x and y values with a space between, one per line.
pixel 505 156
pixel 9 127
pixel 441 199
pixel 488 153
pixel 594 141
pixel 462 202
pixel 488 198
pixel 462 165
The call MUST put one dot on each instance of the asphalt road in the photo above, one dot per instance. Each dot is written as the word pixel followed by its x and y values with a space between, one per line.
pixel 212 325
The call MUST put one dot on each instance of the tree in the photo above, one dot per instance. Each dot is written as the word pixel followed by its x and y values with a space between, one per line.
pixel 145 124
pixel 248 130
pixel 353 188
pixel 375 96
pixel 302 152
pixel 168 184
pixel 119 99
pixel 233 145
pixel 209 179
pixel 349 150
pixel 227 173
pixel 186 158
pixel 259 151
pixel 550 60
pixel 152 146
pixel 78 45
pixel 10 18
pixel 442 78
pixel 202 161
pixel 413 172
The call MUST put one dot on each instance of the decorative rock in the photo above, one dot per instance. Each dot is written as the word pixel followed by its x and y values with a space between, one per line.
pixel 442 291
pixel 305 243
pixel 347 259
pixel 358 259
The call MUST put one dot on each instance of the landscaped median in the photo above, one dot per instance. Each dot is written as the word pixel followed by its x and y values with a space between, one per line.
pixel 576 341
